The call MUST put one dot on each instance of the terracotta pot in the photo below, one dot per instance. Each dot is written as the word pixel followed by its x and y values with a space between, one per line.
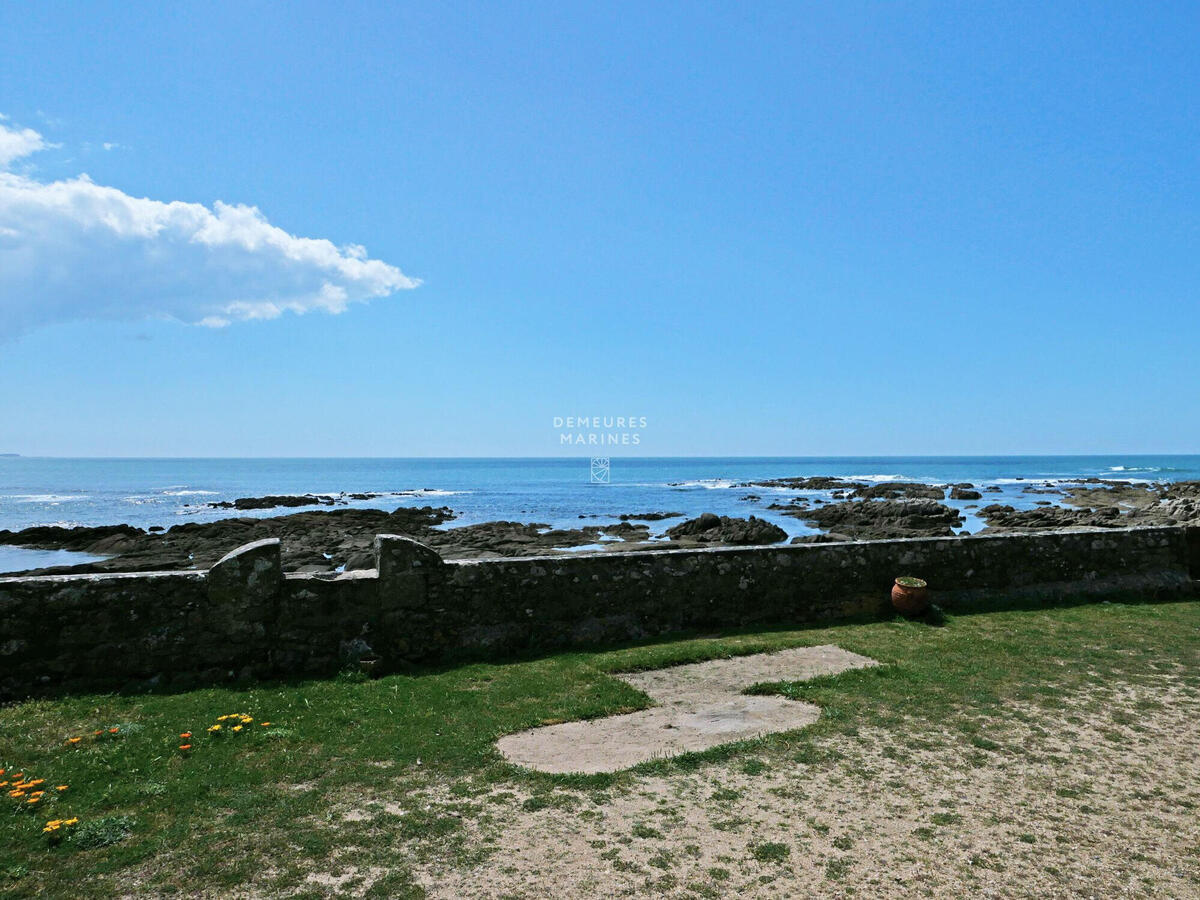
pixel 910 599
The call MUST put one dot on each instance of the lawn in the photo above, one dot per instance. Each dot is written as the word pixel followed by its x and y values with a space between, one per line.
pixel 986 753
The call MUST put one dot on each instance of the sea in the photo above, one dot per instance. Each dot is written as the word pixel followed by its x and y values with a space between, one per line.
pixel 561 492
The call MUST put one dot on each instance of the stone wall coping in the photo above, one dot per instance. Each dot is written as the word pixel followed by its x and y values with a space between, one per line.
pixel 190 574
pixel 247 548
pixel 352 575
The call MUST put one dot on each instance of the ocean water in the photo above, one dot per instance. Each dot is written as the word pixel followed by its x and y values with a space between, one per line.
pixel 557 491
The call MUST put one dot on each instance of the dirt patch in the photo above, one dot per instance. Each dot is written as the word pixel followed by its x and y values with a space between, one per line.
pixel 699 706
pixel 1096 797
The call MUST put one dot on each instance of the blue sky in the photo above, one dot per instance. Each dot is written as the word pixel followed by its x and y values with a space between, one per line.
pixel 793 229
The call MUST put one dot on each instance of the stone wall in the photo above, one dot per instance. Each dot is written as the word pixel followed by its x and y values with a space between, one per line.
pixel 245 619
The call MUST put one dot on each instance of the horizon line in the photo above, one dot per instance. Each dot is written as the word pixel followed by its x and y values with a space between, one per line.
pixel 1020 455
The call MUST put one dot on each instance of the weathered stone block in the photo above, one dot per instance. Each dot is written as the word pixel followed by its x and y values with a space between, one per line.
pixel 243 593
pixel 251 575
pixel 398 555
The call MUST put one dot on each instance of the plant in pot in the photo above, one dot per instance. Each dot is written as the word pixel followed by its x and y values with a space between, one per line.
pixel 910 595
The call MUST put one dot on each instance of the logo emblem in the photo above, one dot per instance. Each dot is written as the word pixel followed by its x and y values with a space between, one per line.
pixel 600 470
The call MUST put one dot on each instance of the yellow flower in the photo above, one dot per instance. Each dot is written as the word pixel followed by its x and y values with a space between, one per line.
pixel 70 821
pixel 237 727
pixel 61 787
pixel 264 724
pixel 214 727
pixel 16 793
pixel 74 740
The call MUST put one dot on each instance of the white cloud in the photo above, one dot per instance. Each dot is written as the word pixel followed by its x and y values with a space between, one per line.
pixel 74 249
pixel 16 143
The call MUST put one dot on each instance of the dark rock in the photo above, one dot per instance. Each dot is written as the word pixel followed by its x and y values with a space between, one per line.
pixel 814 483
pixel 710 528
pixel 628 532
pixel 273 501
pixel 80 539
pixel 899 490
pixel 650 516
pixel 959 493
pixel 1006 518
pixel 880 519
pixel 360 560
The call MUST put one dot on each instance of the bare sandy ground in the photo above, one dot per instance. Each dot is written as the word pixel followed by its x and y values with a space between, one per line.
pixel 1096 798
pixel 699 706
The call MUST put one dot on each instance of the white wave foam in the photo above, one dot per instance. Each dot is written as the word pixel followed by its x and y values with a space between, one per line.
pixel 189 493
pixel 879 478
pixel 711 484
pixel 1036 481
pixel 44 498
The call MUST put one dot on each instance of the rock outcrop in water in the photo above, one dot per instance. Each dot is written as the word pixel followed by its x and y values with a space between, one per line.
pixel 709 528
pixel 813 483
pixel 1000 517
pixel 880 519
pixel 1104 504
pixel 900 490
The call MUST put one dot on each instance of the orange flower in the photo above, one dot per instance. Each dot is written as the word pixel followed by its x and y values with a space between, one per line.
pixel 186 734
pixel 61 787
pixel 33 799
pixel 36 781
pixel 185 746
pixel 74 740
pixel 16 794
pixel 98 732
pixel 113 730
pixel 264 724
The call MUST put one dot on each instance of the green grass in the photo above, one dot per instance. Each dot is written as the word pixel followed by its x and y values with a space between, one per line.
pixel 770 851
pixel 263 808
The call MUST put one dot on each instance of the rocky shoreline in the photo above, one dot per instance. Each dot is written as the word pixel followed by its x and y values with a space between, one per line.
pixel 330 540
